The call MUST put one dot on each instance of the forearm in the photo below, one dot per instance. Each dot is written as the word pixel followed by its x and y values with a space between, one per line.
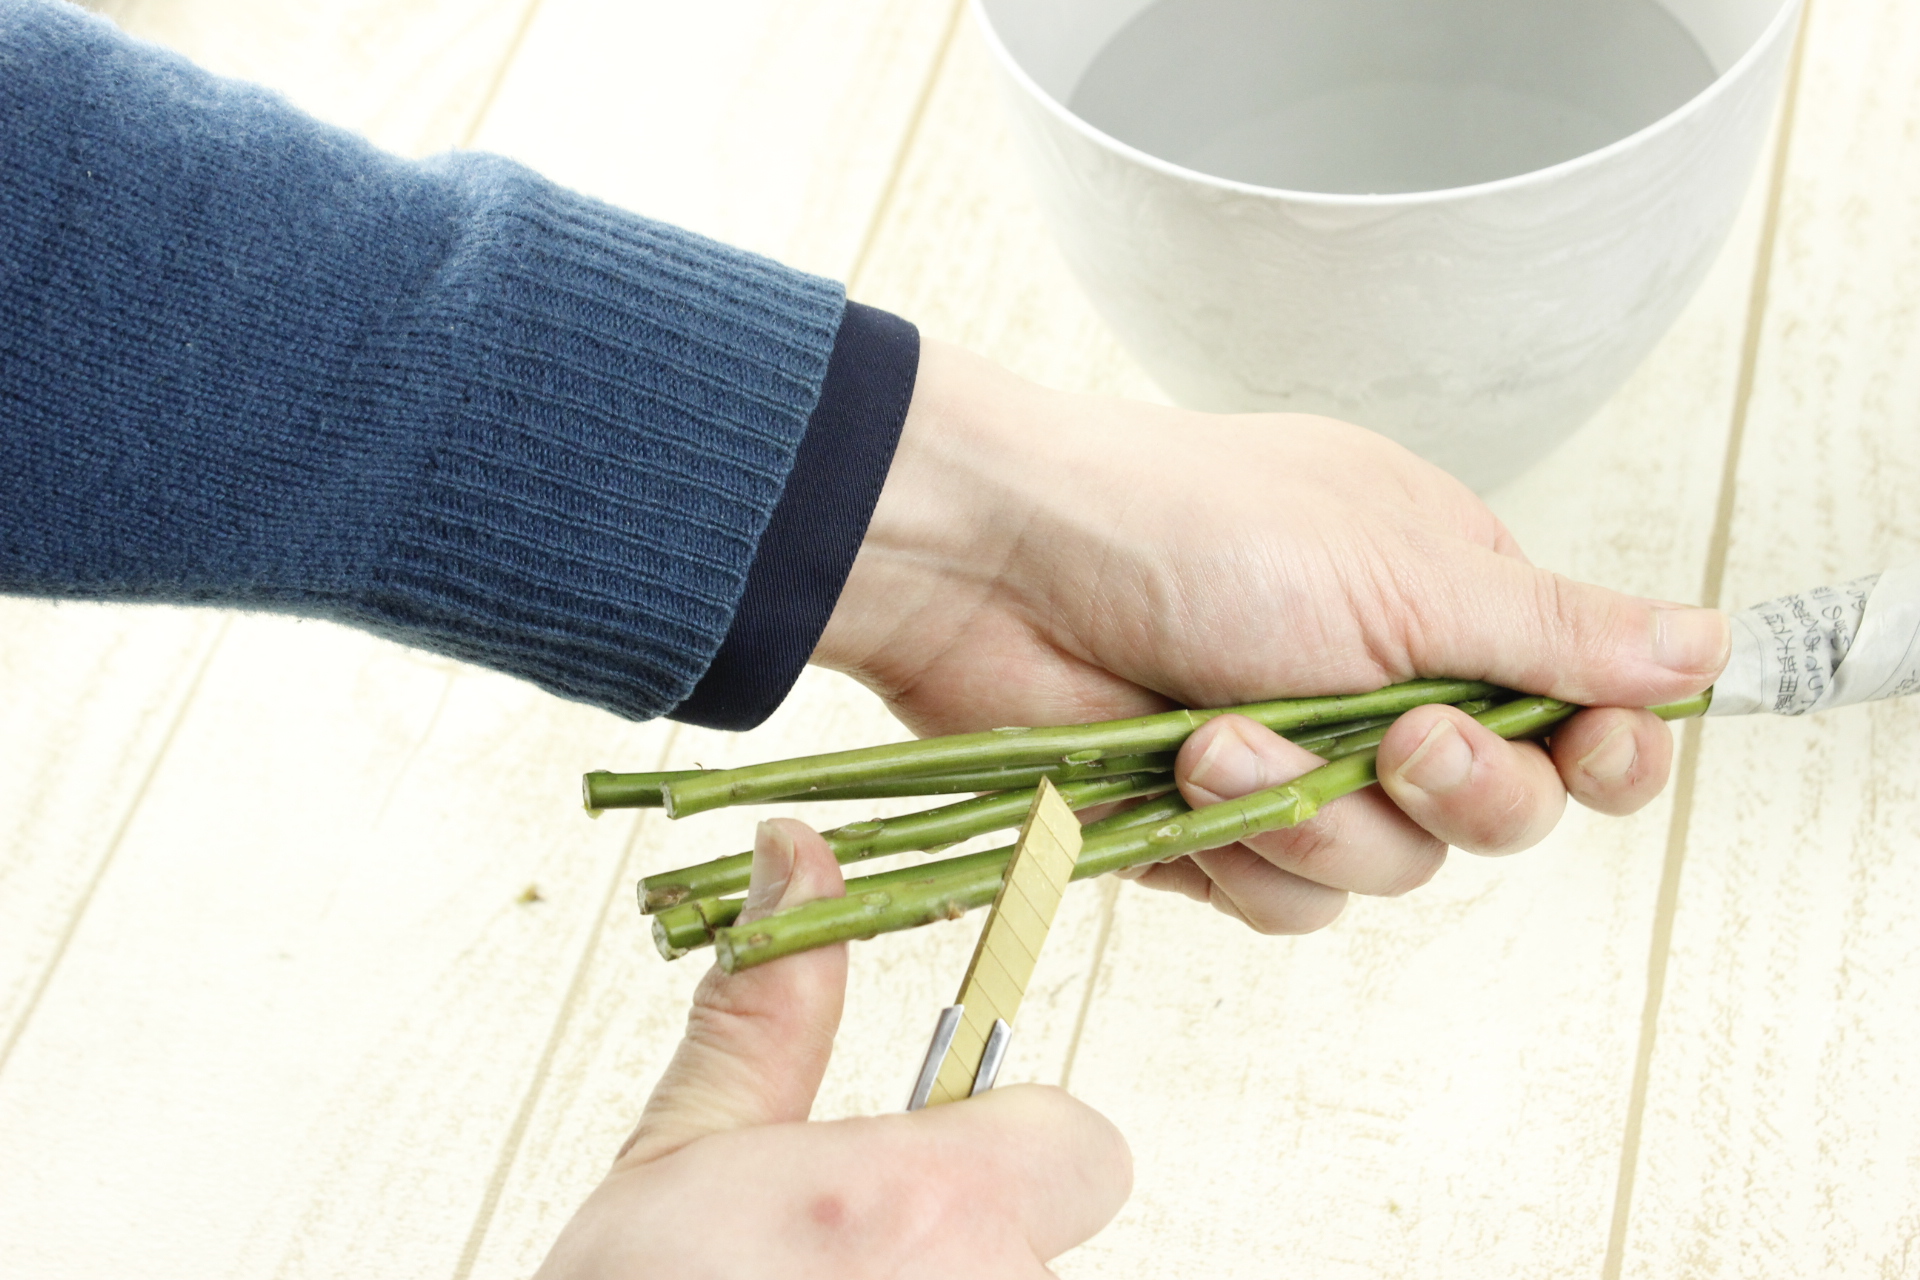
pixel 247 359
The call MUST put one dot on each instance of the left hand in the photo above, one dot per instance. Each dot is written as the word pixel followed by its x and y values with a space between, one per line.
pixel 1044 558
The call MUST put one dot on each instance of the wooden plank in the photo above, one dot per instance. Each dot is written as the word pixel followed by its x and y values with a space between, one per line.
pixel 413 75
pixel 965 253
pixel 770 124
pixel 92 694
pixel 305 978
pixel 315 926
pixel 1782 1130
pixel 1437 1085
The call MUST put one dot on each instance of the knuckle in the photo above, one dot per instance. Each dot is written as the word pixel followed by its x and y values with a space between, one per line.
pixel 1507 821
pixel 1182 876
pixel 1417 868
pixel 1501 538
pixel 1497 827
pixel 1590 629
pixel 1321 912
pixel 1325 852
pixel 1562 612
pixel 1568 618
pixel 1223 902
pixel 1312 850
pixel 1307 908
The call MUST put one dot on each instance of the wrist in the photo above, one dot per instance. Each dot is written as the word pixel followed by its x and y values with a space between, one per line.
pixel 963 490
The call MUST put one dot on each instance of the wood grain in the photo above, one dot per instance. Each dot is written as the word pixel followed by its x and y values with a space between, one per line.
pixel 412 75
pixel 774 125
pixel 964 252
pixel 310 977
pixel 1782 1132
pixel 92 695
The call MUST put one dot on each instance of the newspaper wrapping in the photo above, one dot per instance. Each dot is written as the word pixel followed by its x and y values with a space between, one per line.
pixel 1825 648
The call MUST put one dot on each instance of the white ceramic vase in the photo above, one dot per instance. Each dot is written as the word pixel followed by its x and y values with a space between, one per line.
pixel 1478 325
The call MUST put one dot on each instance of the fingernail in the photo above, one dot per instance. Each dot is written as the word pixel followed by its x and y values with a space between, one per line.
pixel 1441 763
pixel 772 867
pixel 1613 758
pixel 1227 768
pixel 1692 641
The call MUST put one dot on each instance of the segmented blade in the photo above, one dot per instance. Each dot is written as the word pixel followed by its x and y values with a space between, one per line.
pixel 1037 876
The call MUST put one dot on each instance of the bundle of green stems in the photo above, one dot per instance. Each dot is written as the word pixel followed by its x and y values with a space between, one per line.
pixel 1092 765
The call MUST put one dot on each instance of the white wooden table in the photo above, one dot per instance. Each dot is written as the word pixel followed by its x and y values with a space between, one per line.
pixel 272 1003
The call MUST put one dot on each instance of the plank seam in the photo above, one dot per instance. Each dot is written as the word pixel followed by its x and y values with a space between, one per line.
pixel 1721 538
pixel 448 680
pixel 1109 896
pixel 1666 906
pixel 1667 899
pixel 507 58
pixel 99 876
pixel 908 137
pixel 563 1019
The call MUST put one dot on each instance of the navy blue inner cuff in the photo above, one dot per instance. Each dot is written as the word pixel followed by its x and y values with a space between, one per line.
pixel 817 526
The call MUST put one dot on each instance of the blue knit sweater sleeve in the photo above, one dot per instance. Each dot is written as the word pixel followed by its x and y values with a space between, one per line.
pixel 247 359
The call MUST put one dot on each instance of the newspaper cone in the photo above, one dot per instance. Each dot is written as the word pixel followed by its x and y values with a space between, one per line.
pixel 1825 648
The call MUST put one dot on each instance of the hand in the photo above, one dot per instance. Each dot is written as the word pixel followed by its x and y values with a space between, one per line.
pixel 1044 558
pixel 724 1178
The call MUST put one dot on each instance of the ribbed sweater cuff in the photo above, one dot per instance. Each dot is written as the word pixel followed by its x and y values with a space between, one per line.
pixel 630 401
pixel 817 527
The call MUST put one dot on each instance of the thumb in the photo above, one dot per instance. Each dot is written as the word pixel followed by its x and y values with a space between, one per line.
pixel 1498 618
pixel 757 1042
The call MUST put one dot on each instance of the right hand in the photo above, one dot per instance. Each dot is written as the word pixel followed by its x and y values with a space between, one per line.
pixel 724 1176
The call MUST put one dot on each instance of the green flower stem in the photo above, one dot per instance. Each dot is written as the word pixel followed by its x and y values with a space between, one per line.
pixel 874 837
pixel 690 925
pixel 604 790
pixel 1066 744
pixel 1320 737
pixel 687 907
pixel 1348 742
pixel 1686 708
pixel 950 889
